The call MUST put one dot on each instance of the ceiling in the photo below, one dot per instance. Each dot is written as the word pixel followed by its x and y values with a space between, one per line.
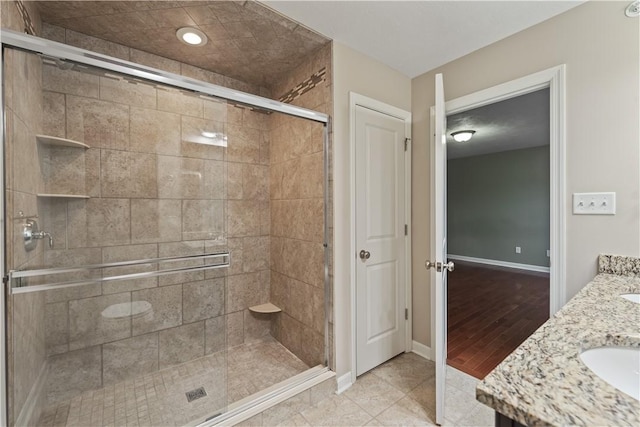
pixel 247 40
pixel 513 124
pixel 250 41
pixel 414 37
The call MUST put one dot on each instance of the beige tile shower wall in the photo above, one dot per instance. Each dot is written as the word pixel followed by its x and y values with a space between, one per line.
pixel 23 119
pixel 297 191
pixel 152 194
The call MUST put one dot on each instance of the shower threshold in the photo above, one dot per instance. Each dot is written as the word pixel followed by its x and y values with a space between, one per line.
pixel 228 379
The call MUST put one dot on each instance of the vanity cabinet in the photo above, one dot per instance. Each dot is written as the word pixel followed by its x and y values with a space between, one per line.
pixel 504 421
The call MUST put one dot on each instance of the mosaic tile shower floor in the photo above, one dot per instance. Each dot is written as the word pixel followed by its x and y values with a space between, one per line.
pixel 158 399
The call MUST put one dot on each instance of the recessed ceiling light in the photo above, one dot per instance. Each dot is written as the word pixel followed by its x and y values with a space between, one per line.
pixel 191 36
pixel 463 135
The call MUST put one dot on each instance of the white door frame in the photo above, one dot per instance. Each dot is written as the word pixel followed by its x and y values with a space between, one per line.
pixel 554 79
pixel 373 104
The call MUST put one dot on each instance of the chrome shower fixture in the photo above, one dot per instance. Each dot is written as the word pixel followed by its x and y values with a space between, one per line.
pixel 31 233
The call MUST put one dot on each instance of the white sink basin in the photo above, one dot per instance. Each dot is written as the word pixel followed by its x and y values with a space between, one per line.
pixel 619 366
pixel 632 297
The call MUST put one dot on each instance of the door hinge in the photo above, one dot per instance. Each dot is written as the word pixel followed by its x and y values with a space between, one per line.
pixel 406 229
pixel 406 314
pixel 406 143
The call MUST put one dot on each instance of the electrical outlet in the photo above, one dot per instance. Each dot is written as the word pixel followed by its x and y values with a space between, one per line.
pixel 518 250
pixel 548 253
pixel 594 203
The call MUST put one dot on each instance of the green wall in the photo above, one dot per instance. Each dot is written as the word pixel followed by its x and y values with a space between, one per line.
pixel 497 202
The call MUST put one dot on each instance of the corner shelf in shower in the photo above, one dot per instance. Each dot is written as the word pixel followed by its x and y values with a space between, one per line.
pixel 265 308
pixel 54 141
pixel 60 142
pixel 63 196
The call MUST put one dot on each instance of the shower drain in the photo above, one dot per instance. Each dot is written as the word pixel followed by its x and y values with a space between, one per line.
pixel 195 394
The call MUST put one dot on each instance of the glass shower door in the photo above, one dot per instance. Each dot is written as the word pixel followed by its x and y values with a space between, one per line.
pixel 117 247
pixel 149 227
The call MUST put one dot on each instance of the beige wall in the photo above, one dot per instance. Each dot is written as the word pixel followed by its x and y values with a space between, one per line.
pixel 353 71
pixel 600 47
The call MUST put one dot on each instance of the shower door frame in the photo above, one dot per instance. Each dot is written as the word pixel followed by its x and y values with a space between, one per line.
pixel 3 294
pixel 56 50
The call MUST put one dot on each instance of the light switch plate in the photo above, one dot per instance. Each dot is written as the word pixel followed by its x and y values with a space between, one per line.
pixel 594 203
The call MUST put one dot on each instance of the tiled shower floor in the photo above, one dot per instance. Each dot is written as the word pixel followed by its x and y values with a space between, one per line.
pixel 158 399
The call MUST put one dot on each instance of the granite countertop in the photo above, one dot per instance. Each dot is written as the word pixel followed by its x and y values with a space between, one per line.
pixel 543 382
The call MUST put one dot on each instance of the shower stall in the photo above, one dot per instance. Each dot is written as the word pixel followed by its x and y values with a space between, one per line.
pixel 165 242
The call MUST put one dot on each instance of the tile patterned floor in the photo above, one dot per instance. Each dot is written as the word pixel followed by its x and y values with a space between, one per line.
pixel 158 399
pixel 400 392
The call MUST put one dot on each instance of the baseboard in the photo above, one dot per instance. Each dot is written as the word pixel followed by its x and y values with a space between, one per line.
pixel 422 350
pixel 344 382
pixel 33 406
pixel 506 264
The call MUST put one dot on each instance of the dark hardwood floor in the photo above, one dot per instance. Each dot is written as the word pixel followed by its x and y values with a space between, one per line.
pixel 491 311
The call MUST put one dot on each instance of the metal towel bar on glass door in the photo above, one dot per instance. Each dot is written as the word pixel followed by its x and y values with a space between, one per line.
pixel 21 274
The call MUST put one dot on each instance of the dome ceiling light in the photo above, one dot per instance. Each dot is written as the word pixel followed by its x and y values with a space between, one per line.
pixel 463 135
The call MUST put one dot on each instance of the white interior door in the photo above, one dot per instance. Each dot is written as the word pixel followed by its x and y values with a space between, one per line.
pixel 440 266
pixel 380 223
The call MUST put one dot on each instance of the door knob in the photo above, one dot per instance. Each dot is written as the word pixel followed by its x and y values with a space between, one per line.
pixel 439 266
pixel 364 254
